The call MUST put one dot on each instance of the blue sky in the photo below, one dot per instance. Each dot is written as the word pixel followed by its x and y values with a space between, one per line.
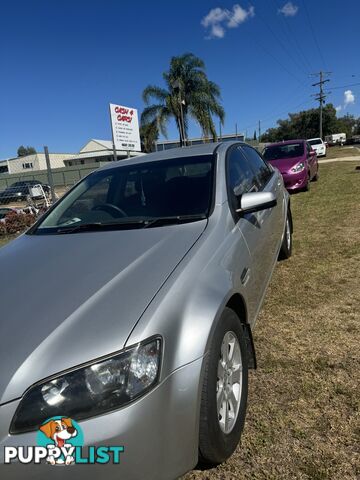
pixel 63 61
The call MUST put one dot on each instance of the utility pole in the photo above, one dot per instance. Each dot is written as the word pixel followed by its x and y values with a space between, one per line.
pixel 259 137
pixel 321 96
pixel 49 174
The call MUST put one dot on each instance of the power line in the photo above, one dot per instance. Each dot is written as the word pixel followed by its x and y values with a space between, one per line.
pixel 346 86
pixel 284 48
pixel 313 33
pixel 276 115
pixel 279 63
pixel 291 34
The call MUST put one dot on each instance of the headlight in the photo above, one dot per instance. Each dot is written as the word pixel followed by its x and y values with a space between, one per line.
pixel 94 389
pixel 298 168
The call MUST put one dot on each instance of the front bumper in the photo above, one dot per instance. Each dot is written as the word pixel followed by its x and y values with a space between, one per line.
pixel 295 181
pixel 159 433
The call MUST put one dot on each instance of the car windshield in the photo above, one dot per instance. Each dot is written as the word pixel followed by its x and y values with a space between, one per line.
pixel 316 141
pixel 136 196
pixel 279 152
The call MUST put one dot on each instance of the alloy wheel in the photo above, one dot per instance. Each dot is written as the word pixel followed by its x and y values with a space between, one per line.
pixel 229 382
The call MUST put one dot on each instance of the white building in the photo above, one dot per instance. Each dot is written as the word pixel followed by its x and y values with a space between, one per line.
pixel 94 151
pixel 97 151
pixel 34 162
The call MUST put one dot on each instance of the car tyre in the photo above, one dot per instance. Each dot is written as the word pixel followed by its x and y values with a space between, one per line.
pixel 224 392
pixel 316 176
pixel 286 245
pixel 307 186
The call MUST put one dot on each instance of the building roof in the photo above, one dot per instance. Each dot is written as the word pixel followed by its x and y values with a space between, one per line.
pixel 196 150
pixel 94 145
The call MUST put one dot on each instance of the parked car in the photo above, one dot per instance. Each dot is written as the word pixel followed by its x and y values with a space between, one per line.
pixel 296 161
pixel 143 332
pixel 318 145
pixel 20 190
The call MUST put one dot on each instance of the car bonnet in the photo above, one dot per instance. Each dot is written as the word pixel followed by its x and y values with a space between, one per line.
pixel 69 299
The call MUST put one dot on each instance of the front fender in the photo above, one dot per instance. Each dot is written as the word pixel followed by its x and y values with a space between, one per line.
pixel 188 306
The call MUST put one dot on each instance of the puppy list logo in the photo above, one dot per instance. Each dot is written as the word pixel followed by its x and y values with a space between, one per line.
pixel 60 441
pixel 60 435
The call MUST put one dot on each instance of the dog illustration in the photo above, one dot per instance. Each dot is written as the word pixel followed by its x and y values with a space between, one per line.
pixel 59 431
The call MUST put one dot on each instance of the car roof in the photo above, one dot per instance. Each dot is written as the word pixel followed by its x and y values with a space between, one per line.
pixel 286 142
pixel 181 152
pixel 315 138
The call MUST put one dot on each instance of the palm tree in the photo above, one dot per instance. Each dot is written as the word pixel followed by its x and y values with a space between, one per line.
pixel 149 133
pixel 188 93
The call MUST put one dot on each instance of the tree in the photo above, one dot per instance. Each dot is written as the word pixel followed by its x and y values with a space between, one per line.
pixel 188 94
pixel 255 137
pixel 23 151
pixel 149 133
pixel 347 124
pixel 304 124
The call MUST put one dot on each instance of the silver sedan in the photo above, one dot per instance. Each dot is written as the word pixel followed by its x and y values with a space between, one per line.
pixel 143 286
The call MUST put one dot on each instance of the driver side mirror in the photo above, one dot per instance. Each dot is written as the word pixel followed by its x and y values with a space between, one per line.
pixel 255 202
pixel 312 153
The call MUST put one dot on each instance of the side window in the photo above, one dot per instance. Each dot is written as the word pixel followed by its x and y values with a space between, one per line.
pixel 261 169
pixel 240 176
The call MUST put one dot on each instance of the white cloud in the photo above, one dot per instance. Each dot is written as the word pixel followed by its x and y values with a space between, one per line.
pixel 218 19
pixel 289 9
pixel 349 98
pixel 338 108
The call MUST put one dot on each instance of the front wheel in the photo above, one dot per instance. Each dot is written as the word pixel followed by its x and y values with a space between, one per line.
pixel 224 393
pixel 286 245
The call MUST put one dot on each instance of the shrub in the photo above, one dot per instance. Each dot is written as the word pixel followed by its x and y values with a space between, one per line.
pixel 16 223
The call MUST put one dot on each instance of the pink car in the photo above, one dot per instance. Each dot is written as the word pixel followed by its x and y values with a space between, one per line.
pixel 297 162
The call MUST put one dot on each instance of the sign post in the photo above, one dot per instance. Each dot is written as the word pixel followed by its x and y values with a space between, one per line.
pixel 112 136
pixel 125 129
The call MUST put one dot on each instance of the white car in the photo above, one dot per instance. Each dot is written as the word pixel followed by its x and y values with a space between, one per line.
pixel 318 145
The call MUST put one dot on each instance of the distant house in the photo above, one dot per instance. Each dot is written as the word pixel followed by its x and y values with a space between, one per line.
pixel 93 152
pixel 97 151
pixel 34 162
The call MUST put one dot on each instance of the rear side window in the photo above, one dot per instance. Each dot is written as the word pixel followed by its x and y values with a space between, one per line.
pixel 261 169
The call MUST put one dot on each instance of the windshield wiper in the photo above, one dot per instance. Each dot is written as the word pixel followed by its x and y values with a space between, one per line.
pixel 122 225
pixel 94 227
pixel 176 219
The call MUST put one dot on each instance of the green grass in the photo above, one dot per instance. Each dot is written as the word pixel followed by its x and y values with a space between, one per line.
pixel 340 152
pixel 303 414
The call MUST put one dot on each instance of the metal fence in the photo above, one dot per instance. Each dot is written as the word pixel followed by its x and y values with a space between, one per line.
pixel 19 207
pixel 62 177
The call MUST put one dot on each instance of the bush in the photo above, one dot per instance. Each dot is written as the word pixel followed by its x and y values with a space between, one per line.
pixel 16 223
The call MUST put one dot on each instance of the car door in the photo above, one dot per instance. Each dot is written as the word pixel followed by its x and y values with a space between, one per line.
pixel 272 219
pixel 255 228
